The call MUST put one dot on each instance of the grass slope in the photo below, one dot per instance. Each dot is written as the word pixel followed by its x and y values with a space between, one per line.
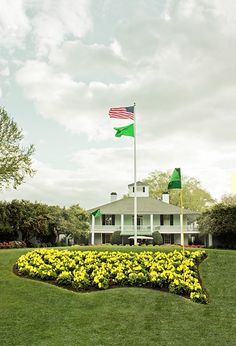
pixel 34 313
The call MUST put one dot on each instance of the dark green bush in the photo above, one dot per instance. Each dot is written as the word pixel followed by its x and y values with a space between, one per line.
pixel 82 238
pixel 157 238
pixel 220 222
pixel 116 238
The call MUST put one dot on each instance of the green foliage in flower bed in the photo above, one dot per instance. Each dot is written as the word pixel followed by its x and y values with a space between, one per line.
pixel 83 270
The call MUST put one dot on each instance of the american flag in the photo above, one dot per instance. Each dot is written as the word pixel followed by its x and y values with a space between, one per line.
pixel 122 112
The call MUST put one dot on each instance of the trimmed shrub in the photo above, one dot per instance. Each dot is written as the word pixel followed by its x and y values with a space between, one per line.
pixel 126 240
pixel 157 238
pixel 116 238
pixel 82 239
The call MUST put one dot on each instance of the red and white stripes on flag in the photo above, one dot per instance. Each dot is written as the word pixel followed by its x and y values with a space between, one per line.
pixel 122 112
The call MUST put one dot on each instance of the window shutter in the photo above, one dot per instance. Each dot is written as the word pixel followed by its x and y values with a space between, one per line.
pixel 171 220
pixel 103 219
pixel 113 220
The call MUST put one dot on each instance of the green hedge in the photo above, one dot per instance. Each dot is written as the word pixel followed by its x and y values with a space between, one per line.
pixel 116 238
pixel 157 238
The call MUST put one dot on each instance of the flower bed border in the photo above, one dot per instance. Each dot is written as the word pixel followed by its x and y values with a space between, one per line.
pixel 113 285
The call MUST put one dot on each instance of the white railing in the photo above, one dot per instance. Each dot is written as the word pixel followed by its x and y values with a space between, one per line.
pixel 141 230
pixel 105 228
pixel 176 229
pixel 144 230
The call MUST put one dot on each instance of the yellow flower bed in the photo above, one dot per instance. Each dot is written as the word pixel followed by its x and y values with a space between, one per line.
pixel 92 269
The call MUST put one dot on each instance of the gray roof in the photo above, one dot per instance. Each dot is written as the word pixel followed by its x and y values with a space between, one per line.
pixel 145 205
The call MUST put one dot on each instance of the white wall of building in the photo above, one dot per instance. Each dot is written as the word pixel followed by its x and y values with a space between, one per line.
pixel 142 191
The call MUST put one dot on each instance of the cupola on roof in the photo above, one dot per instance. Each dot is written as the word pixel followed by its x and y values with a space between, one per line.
pixel 142 189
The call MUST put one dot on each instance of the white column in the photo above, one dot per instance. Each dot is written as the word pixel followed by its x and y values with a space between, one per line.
pixel 210 243
pixel 92 229
pixel 122 222
pixel 151 222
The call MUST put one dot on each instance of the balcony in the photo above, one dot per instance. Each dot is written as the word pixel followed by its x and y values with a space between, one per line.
pixel 176 229
pixel 106 228
pixel 141 230
pixel 144 230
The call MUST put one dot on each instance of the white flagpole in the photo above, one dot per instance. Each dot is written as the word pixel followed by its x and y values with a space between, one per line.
pixel 135 182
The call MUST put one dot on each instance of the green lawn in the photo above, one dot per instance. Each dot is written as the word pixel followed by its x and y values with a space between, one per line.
pixel 36 313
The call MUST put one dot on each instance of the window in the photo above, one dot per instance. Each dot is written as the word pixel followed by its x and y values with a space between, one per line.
pixel 108 220
pixel 139 220
pixel 161 220
pixel 166 220
pixel 144 189
pixel 133 189
pixel 167 238
pixel 106 238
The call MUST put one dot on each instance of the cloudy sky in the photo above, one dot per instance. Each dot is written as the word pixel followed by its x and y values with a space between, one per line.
pixel 64 63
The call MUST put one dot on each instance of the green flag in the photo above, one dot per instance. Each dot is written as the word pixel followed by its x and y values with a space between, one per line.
pixel 96 213
pixel 175 179
pixel 125 131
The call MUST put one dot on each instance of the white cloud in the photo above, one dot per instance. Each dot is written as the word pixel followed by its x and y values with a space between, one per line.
pixel 179 67
pixel 54 186
pixel 3 67
pixel 99 171
pixel 86 62
pixel 45 23
pixel 179 71
pixel 57 96
pixel 4 76
pixel 14 23
pixel 53 21
pixel 83 184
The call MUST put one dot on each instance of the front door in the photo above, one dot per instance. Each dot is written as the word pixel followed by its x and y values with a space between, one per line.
pixel 139 220
pixel 106 238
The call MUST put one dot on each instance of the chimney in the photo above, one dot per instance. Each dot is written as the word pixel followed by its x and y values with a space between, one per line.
pixel 166 197
pixel 113 196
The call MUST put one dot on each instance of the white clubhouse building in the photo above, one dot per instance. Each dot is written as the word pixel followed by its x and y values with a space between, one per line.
pixel 153 215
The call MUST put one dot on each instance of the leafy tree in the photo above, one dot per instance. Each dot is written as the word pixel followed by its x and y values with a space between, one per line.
pixel 56 223
pixel 38 222
pixel 31 219
pixel 195 197
pixel 82 238
pixel 220 221
pixel 6 230
pixel 15 160
pixel 229 199
pixel 76 220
